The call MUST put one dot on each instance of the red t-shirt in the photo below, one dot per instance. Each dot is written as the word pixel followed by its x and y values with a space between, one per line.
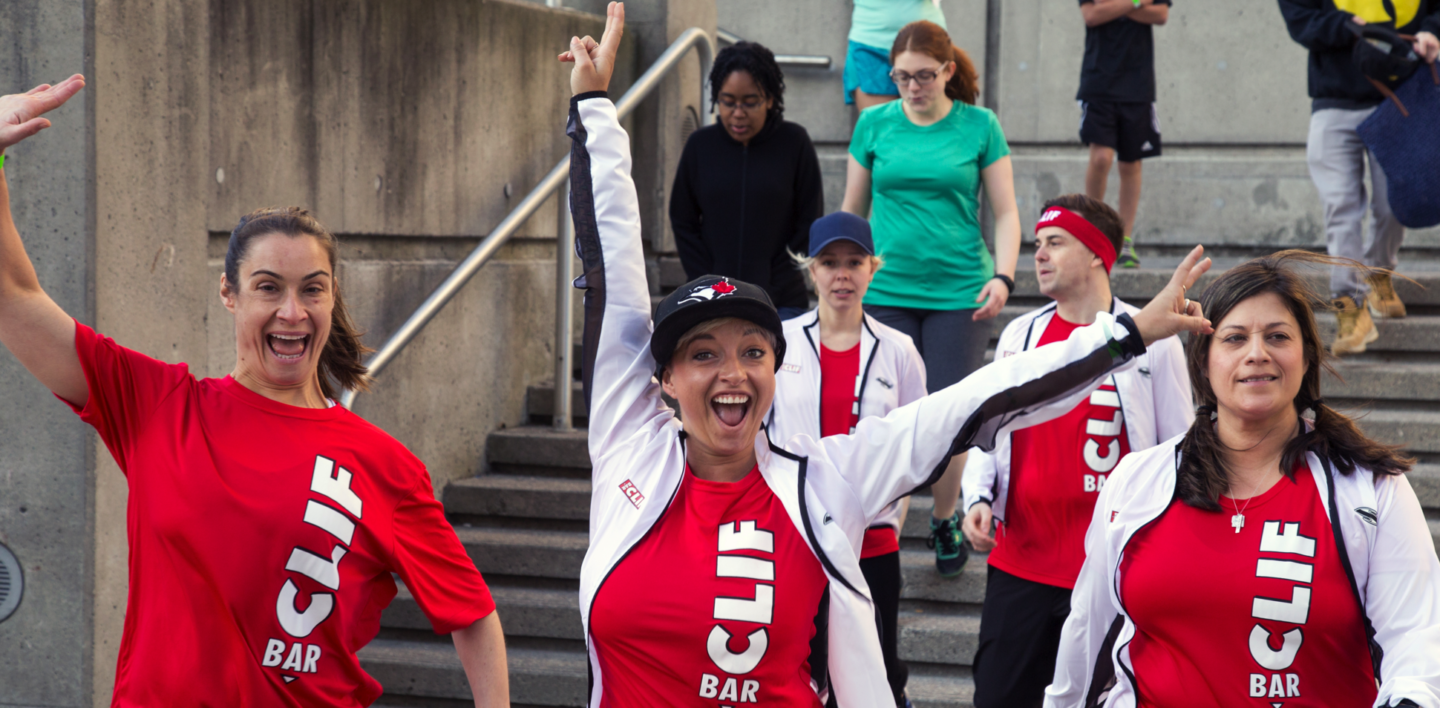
pixel 262 538
pixel 1056 472
pixel 715 606
pixel 1264 617
pixel 839 413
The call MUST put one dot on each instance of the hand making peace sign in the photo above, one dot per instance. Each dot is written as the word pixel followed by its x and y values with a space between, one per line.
pixel 595 62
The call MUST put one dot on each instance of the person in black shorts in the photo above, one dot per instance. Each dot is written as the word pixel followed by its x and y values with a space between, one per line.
pixel 1117 100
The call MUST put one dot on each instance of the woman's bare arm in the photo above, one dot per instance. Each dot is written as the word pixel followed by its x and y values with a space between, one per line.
pixel 999 181
pixel 32 326
pixel 481 647
pixel 857 189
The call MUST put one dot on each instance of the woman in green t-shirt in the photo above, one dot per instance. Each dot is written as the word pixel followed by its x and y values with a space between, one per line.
pixel 916 167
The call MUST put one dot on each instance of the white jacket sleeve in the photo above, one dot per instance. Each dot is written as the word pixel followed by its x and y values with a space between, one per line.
pixel 977 484
pixel 912 375
pixel 1403 597
pixel 1174 399
pixel 1091 609
pixel 914 442
pixel 617 368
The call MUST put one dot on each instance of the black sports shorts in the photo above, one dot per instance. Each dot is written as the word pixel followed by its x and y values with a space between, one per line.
pixel 1132 130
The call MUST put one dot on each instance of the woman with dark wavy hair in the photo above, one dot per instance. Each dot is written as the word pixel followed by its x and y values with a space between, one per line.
pixel 264 521
pixel 1273 553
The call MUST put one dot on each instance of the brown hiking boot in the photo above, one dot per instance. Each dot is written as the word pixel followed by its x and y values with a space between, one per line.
pixel 1382 299
pixel 1356 328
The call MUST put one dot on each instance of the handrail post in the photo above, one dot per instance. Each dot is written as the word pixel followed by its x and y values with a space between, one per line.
pixel 564 311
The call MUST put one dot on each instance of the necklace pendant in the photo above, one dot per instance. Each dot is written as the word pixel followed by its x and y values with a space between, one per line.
pixel 1238 521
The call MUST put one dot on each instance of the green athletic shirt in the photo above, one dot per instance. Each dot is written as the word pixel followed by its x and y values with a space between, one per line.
pixel 876 22
pixel 925 208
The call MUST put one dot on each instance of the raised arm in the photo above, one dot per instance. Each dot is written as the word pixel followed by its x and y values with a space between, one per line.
pixel 616 365
pixel 32 326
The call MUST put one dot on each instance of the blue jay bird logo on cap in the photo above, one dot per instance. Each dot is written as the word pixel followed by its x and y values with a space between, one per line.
pixel 713 291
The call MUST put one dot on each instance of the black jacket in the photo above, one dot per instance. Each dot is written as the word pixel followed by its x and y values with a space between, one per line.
pixel 1318 26
pixel 736 208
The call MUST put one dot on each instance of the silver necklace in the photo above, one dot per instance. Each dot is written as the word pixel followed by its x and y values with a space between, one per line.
pixel 1238 520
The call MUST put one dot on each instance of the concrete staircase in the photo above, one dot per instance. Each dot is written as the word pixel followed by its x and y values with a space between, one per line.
pixel 524 522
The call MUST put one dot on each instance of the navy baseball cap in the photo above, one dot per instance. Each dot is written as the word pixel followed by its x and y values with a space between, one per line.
pixel 711 297
pixel 840 225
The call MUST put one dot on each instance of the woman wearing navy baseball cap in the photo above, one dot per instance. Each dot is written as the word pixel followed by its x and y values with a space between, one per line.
pixel 840 366
pixel 723 567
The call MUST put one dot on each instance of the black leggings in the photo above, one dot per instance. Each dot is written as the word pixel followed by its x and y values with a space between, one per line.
pixel 952 344
pixel 882 574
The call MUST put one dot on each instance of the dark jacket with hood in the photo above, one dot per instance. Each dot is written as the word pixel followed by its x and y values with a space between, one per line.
pixel 1322 27
pixel 736 208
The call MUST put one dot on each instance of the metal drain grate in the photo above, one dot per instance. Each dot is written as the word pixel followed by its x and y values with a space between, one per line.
pixel 12 583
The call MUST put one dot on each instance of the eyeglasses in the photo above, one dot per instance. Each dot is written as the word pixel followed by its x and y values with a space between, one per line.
pixel 749 104
pixel 924 77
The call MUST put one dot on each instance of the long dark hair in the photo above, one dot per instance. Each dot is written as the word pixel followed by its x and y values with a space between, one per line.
pixel 340 358
pixel 1201 476
pixel 929 38
pixel 757 61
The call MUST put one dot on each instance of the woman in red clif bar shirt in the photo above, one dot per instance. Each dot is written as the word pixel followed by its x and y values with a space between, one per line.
pixel 264 521
pixel 724 566
pixel 1261 558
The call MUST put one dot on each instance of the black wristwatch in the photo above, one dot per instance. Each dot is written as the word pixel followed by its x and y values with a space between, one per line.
pixel 1008 281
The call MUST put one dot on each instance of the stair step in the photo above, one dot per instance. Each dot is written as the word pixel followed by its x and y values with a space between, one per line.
pixel 538 554
pixel 923 583
pixel 540 400
pixel 432 670
pixel 934 638
pixel 535 447
pixel 524 612
pixel 940 691
pixel 522 496
pixel 1415 431
pixel 1366 380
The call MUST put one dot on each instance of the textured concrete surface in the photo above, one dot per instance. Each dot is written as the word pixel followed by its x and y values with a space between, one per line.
pixel 45 451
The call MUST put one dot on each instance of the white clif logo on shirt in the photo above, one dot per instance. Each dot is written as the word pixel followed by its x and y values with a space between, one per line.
pixel 735 537
pixel 332 482
pixel 1283 539
pixel 710 292
pixel 1099 431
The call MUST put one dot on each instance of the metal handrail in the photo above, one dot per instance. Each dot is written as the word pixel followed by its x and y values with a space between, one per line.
pixel 695 38
pixel 817 61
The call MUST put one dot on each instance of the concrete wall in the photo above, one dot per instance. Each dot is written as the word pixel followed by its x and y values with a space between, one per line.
pixel 1231 99
pixel 45 451
pixel 403 126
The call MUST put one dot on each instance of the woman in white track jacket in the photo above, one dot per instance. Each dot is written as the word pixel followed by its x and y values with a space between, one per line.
pixel 842 366
pixel 685 603
pixel 1261 558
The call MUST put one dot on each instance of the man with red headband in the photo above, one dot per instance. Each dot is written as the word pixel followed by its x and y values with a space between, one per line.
pixel 1032 498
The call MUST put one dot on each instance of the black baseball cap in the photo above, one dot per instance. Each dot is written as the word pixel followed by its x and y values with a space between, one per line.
pixel 711 297
pixel 840 225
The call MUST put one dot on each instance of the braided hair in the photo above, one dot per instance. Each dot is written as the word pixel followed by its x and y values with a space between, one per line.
pixel 757 61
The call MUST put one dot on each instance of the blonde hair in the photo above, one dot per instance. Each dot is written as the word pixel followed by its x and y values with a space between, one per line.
pixel 709 326
pixel 804 263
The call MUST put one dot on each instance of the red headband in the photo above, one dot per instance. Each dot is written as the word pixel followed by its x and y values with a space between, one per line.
pixel 1081 229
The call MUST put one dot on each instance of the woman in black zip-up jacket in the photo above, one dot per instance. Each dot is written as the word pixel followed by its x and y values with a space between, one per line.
pixel 748 187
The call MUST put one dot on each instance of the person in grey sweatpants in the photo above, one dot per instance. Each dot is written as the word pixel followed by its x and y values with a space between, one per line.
pixel 1342 98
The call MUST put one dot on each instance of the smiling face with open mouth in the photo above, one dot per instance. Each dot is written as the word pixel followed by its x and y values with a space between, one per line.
pixel 1257 360
pixel 282 306
pixel 724 379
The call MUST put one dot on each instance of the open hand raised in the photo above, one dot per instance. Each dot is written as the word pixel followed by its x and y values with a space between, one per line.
pixel 20 113
pixel 595 62
pixel 1171 312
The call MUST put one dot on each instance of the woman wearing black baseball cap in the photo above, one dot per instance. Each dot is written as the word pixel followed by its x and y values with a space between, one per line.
pixel 723 567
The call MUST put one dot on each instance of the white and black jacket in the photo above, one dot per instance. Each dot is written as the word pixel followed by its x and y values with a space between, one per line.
pixel 892 374
pixel 1384 543
pixel 1156 403
pixel 829 487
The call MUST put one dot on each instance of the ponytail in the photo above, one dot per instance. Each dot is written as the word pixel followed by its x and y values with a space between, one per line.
pixel 964 84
